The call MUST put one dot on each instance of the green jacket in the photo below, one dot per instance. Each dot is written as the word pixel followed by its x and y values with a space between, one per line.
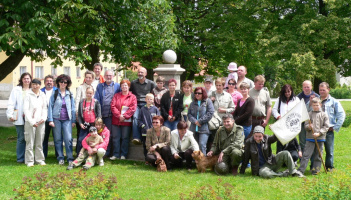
pixel 228 142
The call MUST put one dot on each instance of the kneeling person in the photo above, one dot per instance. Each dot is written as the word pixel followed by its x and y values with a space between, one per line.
pixel 228 143
pixel 263 162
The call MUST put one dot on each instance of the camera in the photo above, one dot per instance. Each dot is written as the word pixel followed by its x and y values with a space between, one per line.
pixel 86 125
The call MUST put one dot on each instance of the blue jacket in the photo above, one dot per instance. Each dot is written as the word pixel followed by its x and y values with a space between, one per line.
pixel 335 113
pixel 145 118
pixel 205 112
pixel 99 94
pixel 55 108
pixel 43 89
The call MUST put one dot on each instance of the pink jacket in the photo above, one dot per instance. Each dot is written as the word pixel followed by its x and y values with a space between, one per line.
pixel 105 134
pixel 116 106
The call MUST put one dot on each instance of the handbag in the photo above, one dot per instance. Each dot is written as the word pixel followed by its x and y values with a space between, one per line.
pixel 215 122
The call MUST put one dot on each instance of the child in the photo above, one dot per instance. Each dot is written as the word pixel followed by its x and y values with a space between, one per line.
pixel 159 91
pixel 89 109
pixel 233 68
pixel 93 140
pixel 145 117
pixel 318 130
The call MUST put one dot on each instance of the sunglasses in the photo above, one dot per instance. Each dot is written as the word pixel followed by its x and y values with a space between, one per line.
pixel 231 83
pixel 198 93
pixel 65 82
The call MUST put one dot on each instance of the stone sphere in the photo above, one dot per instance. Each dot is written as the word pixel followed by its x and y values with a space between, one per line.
pixel 169 57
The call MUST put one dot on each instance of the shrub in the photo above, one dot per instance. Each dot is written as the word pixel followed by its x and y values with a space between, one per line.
pixel 342 92
pixel 347 121
pixel 67 186
pixel 336 185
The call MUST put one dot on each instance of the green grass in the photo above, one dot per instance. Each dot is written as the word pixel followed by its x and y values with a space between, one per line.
pixel 137 181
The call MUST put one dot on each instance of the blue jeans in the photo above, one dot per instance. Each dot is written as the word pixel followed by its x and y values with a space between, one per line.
pixel 247 130
pixel 329 150
pixel 136 129
pixel 46 139
pixel 83 133
pixel 108 123
pixel 171 125
pixel 21 143
pixel 202 138
pixel 63 133
pixel 120 133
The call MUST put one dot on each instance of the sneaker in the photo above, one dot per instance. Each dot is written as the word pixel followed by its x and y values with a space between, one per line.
pixel 85 168
pixel 285 173
pixel 113 158
pixel 136 141
pixel 298 174
pixel 61 162
pixel 42 163
pixel 30 165
pixel 101 163
pixel 123 158
pixel 70 165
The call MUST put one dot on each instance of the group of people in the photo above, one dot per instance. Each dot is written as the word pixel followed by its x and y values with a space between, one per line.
pixel 228 122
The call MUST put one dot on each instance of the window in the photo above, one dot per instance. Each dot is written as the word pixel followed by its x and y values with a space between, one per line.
pixel 113 69
pixel 105 69
pixel 39 72
pixel 78 72
pixel 53 70
pixel 23 69
pixel 67 71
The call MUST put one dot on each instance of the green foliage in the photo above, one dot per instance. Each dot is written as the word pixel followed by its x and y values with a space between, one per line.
pixel 225 191
pixel 343 92
pixel 131 75
pixel 333 187
pixel 67 186
pixel 347 121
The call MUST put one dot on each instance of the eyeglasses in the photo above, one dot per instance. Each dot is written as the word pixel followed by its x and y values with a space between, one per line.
pixel 231 83
pixel 155 122
pixel 65 82
pixel 198 93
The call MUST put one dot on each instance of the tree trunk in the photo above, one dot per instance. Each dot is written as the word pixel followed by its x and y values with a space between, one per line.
pixel 95 56
pixel 10 64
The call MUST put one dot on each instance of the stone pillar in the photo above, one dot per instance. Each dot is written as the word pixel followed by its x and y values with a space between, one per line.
pixel 169 71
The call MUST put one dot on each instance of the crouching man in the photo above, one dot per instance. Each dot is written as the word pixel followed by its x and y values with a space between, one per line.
pixel 263 162
pixel 228 143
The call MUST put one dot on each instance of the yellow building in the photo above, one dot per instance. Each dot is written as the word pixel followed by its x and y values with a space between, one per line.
pixel 41 69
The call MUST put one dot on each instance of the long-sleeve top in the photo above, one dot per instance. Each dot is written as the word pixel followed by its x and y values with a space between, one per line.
pixel 80 94
pixel 202 114
pixel 141 90
pixel 335 112
pixel 15 102
pixel 227 142
pixel 181 145
pixel 105 134
pixel 96 109
pixel 177 104
pixel 284 106
pixel 307 97
pixel 35 108
pixel 116 108
pixel 223 100
pixel 56 105
pixel 158 95
pixel 145 118
pixel 320 124
pixel 243 114
pixel 152 139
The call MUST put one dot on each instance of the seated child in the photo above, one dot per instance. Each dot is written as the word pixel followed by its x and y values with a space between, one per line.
pixel 317 130
pixel 93 140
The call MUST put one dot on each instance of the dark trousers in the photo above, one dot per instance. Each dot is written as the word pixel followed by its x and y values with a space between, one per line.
pixel 184 155
pixel 78 133
pixel 83 133
pixel 294 154
pixel 210 140
pixel 108 123
pixel 165 153
pixel 46 140
pixel 143 139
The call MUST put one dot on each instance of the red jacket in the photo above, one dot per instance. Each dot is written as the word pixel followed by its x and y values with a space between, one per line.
pixel 116 106
pixel 105 134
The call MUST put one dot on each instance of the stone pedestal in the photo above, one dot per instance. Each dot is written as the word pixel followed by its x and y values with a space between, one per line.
pixel 169 71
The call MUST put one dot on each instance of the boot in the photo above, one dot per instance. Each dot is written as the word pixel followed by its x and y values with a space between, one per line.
pixel 235 170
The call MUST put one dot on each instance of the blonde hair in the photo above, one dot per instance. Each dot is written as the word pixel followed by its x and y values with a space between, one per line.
pixel 244 85
pixel 220 80
pixel 99 121
pixel 316 100
pixel 149 95
pixel 90 88
pixel 259 78
pixel 89 72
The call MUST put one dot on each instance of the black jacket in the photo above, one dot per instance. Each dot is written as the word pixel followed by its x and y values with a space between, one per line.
pixel 251 152
pixel 177 102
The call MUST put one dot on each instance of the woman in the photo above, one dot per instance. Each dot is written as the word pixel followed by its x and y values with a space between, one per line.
pixel 183 144
pixel 123 106
pixel 243 112
pixel 88 80
pixel 188 96
pixel 171 105
pixel 157 142
pixel 15 114
pixel 232 91
pixel 36 112
pixel 285 102
pixel 200 113
pixel 62 117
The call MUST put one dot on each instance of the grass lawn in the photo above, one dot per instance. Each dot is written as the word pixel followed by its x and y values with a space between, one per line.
pixel 137 181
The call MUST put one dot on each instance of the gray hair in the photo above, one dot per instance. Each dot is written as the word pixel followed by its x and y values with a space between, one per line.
pixel 110 70
pixel 226 116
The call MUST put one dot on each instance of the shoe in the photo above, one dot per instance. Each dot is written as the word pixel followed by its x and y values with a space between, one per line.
pixel 70 165
pixel 113 158
pixel 42 163
pixel 101 163
pixel 123 158
pixel 136 141
pixel 298 174
pixel 330 169
pixel 85 168
pixel 61 162
pixel 285 173
pixel 30 165
pixel 20 161
pixel 235 170
pixel 315 173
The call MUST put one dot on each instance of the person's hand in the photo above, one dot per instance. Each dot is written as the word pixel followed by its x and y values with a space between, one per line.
pixel 316 135
pixel 213 98
pixel 11 119
pixel 265 122
pixel 300 154
pixel 121 118
pixel 278 117
pixel 309 127
pixel 169 118
pixel 222 110
pixel 35 125
pixel 51 124
pixel 176 156
pixel 90 151
pixel 73 125
pixel 198 124
pixel 82 126
pixel 209 154
pixel 220 157
pixel 41 121
pixel 94 150
pixel 172 119
pixel 152 148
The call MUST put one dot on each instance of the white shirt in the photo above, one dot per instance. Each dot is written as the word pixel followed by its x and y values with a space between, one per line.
pixel 48 94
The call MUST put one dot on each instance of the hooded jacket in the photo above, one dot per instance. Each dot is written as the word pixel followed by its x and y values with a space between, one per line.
pixel 34 107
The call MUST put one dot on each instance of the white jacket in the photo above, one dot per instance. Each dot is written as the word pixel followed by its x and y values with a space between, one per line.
pixel 34 107
pixel 188 142
pixel 284 107
pixel 15 102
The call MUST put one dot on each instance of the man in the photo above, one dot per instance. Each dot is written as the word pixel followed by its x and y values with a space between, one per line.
pixel 242 71
pixel 263 162
pixel 98 77
pixel 228 143
pixel 48 90
pixel 336 114
pixel 306 94
pixel 208 86
pixel 263 106
pixel 140 87
pixel 104 94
